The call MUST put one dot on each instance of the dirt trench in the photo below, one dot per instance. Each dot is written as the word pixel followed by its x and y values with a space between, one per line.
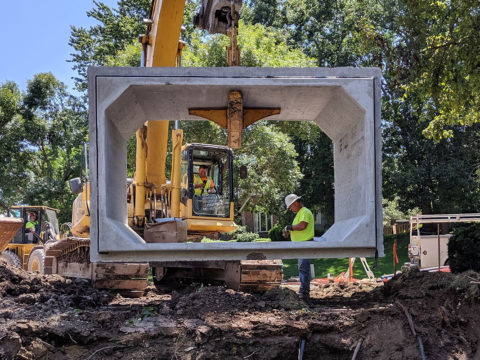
pixel 50 317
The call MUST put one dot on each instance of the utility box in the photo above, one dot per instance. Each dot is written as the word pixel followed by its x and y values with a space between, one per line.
pixel 424 248
pixel 344 102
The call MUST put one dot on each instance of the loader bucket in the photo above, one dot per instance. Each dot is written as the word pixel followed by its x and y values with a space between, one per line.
pixel 8 228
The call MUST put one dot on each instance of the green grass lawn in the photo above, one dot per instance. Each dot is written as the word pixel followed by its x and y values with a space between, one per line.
pixel 336 266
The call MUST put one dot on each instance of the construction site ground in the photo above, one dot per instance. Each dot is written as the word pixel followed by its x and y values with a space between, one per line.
pixel 50 317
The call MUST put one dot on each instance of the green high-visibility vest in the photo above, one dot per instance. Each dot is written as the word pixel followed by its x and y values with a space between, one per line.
pixel 306 234
pixel 208 184
pixel 31 224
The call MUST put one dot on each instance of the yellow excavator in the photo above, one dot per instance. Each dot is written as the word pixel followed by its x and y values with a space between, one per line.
pixel 152 200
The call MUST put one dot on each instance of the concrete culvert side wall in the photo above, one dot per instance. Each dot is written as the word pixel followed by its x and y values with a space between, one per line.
pixel 344 103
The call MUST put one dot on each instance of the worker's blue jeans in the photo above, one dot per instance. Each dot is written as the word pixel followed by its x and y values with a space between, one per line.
pixel 305 276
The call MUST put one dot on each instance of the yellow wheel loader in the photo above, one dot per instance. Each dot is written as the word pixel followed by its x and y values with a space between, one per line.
pixel 25 247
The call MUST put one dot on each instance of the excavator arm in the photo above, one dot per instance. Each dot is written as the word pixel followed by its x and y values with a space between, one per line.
pixel 160 48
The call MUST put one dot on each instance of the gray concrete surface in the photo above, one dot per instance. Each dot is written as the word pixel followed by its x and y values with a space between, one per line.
pixel 343 102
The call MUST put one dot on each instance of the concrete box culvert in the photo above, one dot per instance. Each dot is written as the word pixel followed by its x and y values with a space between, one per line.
pixel 343 102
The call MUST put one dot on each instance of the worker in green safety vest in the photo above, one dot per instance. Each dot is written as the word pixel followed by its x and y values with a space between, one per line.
pixel 301 229
pixel 203 183
pixel 31 224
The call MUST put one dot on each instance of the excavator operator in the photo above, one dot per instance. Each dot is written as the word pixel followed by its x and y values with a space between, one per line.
pixel 31 228
pixel 203 183
pixel 31 223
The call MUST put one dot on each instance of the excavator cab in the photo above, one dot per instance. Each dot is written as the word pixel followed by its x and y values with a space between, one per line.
pixel 207 204
pixel 43 219
pixel 207 179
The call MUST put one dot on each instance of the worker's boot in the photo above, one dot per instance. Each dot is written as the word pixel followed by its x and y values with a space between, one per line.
pixel 305 298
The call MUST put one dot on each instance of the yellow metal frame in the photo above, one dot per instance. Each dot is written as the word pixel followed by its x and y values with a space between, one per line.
pixel 207 223
pixel 81 213
pixel 161 47
pixel 34 207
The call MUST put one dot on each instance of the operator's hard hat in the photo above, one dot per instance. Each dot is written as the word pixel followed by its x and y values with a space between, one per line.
pixel 290 199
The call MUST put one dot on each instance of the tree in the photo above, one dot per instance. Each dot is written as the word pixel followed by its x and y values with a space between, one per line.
pixel 13 174
pixel 448 78
pixel 55 130
pixel 327 31
pixel 416 45
pixel 315 159
pixel 273 170
pixel 464 249
pixel 260 46
pixel 117 30
pixel 43 133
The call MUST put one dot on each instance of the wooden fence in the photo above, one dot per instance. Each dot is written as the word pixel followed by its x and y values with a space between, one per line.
pixel 397 228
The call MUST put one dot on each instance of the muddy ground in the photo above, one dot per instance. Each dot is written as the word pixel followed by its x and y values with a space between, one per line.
pixel 50 317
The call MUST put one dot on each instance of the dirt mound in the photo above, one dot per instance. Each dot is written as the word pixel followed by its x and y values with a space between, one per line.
pixel 35 289
pixel 51 317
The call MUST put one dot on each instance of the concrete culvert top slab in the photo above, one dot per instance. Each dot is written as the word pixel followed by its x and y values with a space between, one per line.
pixel 344 103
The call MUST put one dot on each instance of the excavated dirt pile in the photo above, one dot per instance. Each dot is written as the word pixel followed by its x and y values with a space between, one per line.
pixel 49 317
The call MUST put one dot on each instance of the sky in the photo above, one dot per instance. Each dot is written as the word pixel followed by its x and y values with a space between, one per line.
pixel 34 37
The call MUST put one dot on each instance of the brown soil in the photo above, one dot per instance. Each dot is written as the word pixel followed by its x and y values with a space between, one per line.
pixel 50 317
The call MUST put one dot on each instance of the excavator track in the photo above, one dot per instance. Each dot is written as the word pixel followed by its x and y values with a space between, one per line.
pixel 260 275
pixel 70 257
pixel 240 275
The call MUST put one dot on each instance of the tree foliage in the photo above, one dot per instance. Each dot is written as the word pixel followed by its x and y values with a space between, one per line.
pixel 315 158
pixel 42 135
pixel 273 170
pixel 260 46
pixel 447 79
pixel 13 174
pixel 116 31
pixel 464 249
pixel 428 53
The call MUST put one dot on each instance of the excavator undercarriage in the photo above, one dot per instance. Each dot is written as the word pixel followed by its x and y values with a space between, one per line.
pixel 70 257
pixel 240 275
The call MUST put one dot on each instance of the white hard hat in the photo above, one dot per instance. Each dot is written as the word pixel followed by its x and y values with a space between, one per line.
pixel 290 199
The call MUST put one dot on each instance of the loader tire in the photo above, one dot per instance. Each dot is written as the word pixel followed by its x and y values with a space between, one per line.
pixel 11 258
pixel 36 261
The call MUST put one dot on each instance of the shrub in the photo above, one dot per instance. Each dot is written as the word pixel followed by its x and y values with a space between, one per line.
pixel 240 234
pixel 275 233
pixel 464 249
pixel 246 237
